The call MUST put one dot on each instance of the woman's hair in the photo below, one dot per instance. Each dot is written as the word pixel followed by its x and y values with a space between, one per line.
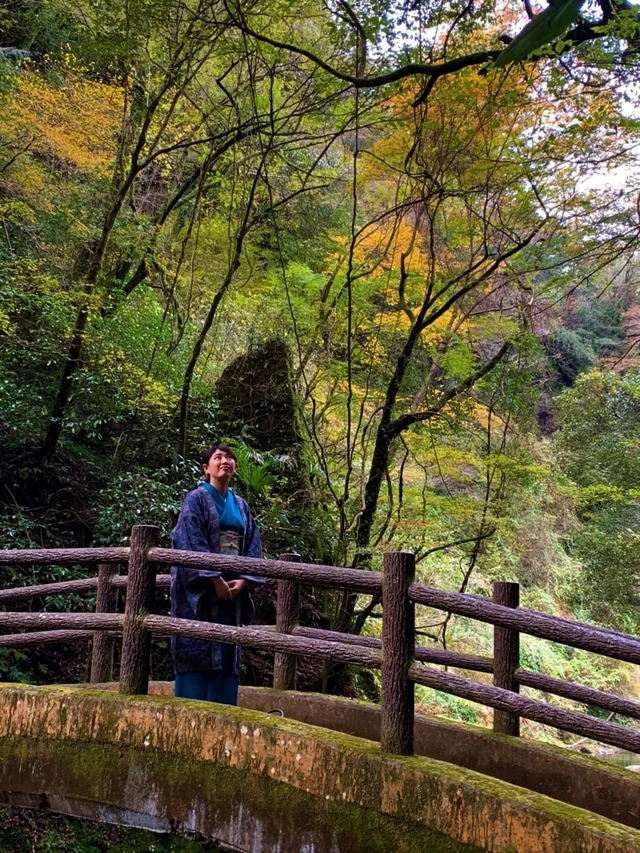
pixel 206 456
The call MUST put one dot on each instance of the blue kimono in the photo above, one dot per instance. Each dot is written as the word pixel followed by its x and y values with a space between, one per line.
pixel 192 591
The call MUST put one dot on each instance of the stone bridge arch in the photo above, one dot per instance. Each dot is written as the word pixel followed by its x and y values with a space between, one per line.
pixel 263 784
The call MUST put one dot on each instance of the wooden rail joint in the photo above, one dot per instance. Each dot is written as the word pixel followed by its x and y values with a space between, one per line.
pixel 506 658
pixel 136 638
pixel 398 651
pixel 287 617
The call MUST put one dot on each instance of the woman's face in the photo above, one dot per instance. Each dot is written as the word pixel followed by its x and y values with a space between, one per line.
pixel 220 468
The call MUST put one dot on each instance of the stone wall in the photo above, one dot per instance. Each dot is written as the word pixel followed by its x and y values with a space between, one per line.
pixel 260 783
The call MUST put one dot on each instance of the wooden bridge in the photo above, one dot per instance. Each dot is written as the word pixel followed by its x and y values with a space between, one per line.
pixel 479 804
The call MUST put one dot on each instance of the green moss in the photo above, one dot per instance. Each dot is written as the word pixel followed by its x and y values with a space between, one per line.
pixel 248 716
pixel 516 743
pixel 98 772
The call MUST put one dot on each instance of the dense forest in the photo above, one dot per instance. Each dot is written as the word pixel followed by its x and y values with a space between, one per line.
pixel 395 268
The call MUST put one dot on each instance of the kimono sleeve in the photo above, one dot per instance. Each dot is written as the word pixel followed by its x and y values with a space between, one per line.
pixel 192 533
pixel 252 543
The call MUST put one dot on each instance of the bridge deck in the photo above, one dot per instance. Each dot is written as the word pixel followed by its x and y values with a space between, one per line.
pixel 261 783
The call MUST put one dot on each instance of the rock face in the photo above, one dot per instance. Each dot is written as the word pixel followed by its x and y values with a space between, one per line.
pixel 257 398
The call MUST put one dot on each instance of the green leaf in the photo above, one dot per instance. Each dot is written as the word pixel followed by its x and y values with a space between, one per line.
pixel 541 30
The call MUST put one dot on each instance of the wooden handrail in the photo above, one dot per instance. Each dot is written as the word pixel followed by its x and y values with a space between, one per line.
pixel 332 577
pixel 614 645
pixel 162 581
pixel 592 638
pixel 38 638
pixel 62 556
pixel 586 695
pixel 58 621
pixel 426 654
pixel 524 706
pixel 146 559
pixel 561 620
pixel 258 639
pixel 23 593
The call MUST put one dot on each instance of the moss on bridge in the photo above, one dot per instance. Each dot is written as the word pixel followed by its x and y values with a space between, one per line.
pixel 258 782
pixel 214 801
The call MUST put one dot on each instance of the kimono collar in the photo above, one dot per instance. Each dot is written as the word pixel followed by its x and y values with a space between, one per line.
pixel 219 500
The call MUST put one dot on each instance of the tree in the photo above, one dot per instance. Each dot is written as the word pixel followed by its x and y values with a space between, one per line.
pixel 164 117
pixel 598 447
pixel 612 38
pixel 432 294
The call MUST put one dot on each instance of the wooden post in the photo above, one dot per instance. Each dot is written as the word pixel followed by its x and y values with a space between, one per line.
pixel 287 615
pixel 136 640
pixel 103 643
pixel 506 657
pixel 398 644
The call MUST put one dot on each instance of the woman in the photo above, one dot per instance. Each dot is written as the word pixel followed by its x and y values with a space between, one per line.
pixel 214 519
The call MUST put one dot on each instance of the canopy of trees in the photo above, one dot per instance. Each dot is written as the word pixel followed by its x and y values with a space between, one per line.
pixel 419 219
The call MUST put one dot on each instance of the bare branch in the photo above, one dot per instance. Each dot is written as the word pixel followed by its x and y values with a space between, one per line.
pixel 405 421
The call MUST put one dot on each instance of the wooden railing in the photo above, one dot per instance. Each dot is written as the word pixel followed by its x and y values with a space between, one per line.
pixel 402 663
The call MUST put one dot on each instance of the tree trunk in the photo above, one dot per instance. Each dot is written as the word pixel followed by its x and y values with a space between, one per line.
pixel 64 389
pixel 88 267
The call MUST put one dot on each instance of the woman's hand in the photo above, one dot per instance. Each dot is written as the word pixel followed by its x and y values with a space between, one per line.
pixel 236 586
pixel 222 588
